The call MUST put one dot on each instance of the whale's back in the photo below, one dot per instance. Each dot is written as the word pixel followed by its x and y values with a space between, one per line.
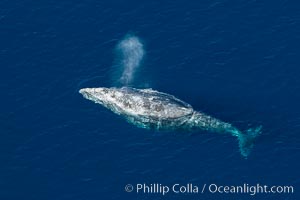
pixel 151 103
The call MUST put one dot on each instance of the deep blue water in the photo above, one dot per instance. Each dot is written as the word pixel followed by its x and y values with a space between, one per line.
pixel 235 60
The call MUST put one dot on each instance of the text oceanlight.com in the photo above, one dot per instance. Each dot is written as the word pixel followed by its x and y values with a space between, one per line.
pixel 190 188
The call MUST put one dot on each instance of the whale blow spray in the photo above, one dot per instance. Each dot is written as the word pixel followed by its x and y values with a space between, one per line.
pixel 131 51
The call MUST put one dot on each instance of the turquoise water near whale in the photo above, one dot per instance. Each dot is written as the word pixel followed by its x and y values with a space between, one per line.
pixel 234 60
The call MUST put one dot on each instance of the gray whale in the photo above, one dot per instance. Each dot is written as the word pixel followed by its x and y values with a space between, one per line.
pixel 147 108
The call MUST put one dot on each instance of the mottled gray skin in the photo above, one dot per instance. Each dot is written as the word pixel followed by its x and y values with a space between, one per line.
pixel 151 109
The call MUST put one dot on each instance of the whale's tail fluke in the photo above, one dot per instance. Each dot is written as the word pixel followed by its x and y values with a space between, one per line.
pixel 246 139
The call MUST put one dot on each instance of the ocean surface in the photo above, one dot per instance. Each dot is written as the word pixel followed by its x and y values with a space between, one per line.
pixel 235 60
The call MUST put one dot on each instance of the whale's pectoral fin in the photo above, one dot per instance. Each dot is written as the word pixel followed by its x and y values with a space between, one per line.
pixel 246 140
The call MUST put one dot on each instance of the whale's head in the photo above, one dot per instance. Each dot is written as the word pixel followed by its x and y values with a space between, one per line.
pixel 98 95
pixel 107 97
